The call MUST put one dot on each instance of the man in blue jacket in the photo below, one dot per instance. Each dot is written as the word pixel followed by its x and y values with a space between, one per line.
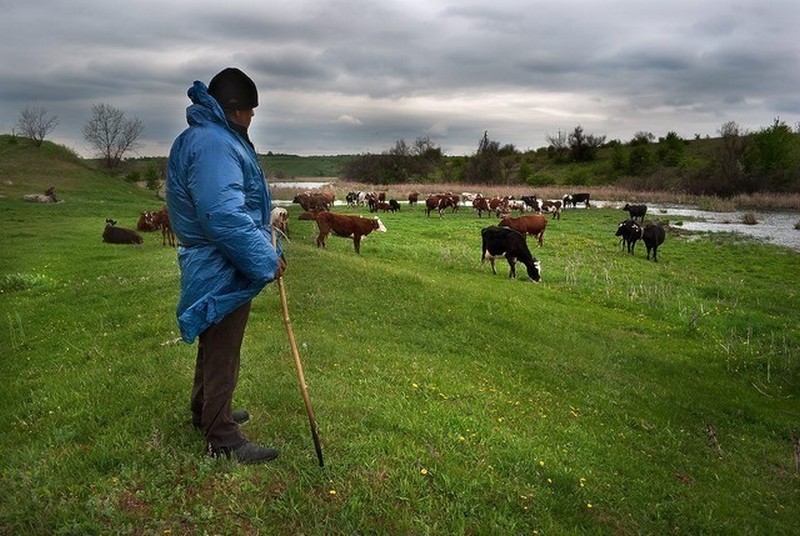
pixel 219 208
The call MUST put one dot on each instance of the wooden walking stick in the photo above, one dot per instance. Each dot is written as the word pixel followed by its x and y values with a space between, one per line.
pixel 298 365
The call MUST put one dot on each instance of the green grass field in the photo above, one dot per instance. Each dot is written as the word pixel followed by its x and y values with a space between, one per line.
pixel 619 396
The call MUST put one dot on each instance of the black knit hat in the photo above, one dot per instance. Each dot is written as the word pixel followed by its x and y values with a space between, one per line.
pixel 233 90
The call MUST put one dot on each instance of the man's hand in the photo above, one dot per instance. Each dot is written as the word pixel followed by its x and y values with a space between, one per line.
pixel 281 268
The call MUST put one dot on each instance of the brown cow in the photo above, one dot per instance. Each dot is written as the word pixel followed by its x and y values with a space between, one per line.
pixel 413 197
pixel 527 225
pixel 147 222
pixel 432 203
pixel 481 204
pixel 315 200
pixel 346 226
pixel 161 219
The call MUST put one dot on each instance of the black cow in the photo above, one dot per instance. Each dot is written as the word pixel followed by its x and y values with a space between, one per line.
pixel 636 211
pixel 574 199
pixel 653 236
pixel 119 235
pixel 629 232
pixel 508 243
pixel 531 201
pixel 394 205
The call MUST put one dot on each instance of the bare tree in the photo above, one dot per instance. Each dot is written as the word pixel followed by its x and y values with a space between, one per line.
pixel 35 123
pixel 110 133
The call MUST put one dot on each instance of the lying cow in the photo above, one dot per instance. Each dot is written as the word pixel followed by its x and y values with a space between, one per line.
pixel 636 211
pixel 629 232
pixel 346 226
pixel 527 225
pixel 508 243
pixel 653 236
pixel 119 235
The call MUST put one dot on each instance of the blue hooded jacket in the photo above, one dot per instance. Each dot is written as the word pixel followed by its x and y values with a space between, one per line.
pixel 219 208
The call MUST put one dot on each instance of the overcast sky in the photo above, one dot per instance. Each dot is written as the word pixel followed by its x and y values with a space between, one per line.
pixel 355 76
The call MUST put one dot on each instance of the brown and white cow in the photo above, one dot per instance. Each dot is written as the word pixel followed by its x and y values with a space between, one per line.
pixel 346 226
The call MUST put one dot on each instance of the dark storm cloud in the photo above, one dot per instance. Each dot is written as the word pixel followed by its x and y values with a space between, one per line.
pixel 356 76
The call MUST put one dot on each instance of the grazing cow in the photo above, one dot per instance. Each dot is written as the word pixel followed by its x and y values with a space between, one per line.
pixel 315 200
pixel 636 211
pixel 146 222
pixel 413 197
pixel 346 226
pixel 161 219
pixel 432 203
pixel 394 206
pixel 504 242
pixel 527 225
pixel 440 202
pixel 279 218
pixel 629 232
pixel 574 199
pixel 481 204
pixel 119 235
pixel 372 202
pixel 498 205
pixel 516 204
pixel 553 207
pixel 531 201
pixel 448 200
pixel 653 236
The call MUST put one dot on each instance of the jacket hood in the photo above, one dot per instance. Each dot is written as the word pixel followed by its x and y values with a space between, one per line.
pixel 204 107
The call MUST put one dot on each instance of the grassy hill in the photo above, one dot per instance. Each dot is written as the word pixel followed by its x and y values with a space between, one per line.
pixel 619 396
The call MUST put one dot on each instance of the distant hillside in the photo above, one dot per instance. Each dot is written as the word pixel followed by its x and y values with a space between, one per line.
pixel 27 169
pixel 287 166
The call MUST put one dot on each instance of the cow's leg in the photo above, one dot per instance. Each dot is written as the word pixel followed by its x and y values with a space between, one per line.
pixel 357 242
pixel 321 239
pixel 512 274
pixel 494 270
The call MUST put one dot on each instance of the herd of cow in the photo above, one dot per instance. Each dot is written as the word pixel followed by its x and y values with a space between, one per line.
pixel 149 221
pixel 506 240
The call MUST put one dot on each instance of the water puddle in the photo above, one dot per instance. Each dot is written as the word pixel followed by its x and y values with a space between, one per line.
pixel 772 227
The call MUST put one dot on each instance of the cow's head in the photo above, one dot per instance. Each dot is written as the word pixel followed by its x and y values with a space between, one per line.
pixel 379 225
pixel 534 271
pixel 629 229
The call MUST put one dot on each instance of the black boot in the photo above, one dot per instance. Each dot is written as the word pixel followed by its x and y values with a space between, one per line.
pixel 247 453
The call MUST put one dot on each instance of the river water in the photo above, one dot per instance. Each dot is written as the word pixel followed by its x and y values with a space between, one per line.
pixel 772 227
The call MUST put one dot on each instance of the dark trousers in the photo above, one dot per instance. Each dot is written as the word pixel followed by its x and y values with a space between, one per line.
pixel 215 376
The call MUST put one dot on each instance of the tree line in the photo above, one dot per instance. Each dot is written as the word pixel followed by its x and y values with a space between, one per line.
pixel 767 160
